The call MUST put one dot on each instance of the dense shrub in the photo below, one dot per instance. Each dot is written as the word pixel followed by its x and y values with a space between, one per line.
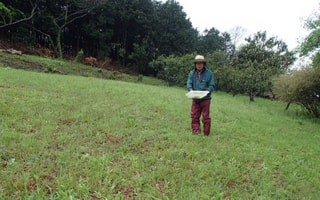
pixel 301 87
pixel 173 69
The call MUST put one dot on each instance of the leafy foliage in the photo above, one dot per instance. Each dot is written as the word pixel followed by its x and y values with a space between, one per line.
pixel 174 33
pixel 4 11
pixel 141 56
pixel 218 62
pixel 210 41
pixel 9 14
pixel 311 43
pixel 173 69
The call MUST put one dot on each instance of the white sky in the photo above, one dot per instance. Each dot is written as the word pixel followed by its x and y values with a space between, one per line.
pixel 281 18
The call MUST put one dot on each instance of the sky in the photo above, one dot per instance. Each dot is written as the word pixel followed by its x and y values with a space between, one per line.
pixel 283 19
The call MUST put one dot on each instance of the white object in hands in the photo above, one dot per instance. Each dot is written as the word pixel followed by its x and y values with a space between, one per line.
pixel 197 94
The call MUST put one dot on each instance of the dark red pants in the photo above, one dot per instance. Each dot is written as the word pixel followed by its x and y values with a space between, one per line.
pixel 198 108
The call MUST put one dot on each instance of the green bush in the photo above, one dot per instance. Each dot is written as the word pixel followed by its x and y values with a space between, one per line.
pixel 173 69
pixel 301 87
pixel 79 56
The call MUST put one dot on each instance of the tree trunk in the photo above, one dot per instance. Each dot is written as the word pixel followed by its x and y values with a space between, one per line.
pixel 251 97
pixel 77 45
pixel 125 56
pixel 288 105
pixel 59 46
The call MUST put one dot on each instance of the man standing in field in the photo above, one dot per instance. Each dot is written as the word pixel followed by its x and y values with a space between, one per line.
pixel 200 79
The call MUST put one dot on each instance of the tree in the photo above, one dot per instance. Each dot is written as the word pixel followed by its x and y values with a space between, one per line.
pixel 141 56
pixel 258 62
pixel 128 22
pixel 237 35
pixel 94 32
pixel 211 41
pixel 311 43
pixel 173 33
pixel 229 47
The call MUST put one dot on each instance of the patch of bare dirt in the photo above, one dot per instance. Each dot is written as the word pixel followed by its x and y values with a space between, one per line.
pixel 67 122
pixel 113 139
pixel 33 50
pixel 159 185
pixel 29 131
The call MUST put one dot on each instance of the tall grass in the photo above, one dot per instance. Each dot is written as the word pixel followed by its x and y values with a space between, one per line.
pixel 68 137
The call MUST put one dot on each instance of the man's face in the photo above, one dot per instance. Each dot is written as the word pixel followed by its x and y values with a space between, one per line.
pixel 199 66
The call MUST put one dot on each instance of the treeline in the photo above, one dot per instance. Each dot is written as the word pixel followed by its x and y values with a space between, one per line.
pixel 132 32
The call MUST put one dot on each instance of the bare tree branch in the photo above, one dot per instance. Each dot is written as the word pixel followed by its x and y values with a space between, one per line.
pixel 75 18
pixel 69 17
pixel 43 33
pixel 20 20
pixel 85 10
pixel 4 20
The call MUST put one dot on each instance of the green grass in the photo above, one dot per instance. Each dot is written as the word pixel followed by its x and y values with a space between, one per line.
pixel 69 137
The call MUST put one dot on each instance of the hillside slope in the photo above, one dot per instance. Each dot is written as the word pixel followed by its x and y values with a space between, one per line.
pixel 59 66
pixel 67 137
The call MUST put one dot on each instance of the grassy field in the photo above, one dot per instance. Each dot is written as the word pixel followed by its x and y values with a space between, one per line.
pixel 69 137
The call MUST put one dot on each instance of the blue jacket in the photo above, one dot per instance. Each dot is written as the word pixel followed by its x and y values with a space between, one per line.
pixel 206 82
